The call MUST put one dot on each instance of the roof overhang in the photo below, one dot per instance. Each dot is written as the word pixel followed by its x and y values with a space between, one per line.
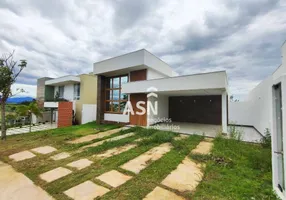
pixel 137 60
pixel 65 80
pixel 197 84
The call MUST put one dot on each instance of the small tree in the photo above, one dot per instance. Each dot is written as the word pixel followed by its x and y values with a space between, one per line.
pixel 9 71
pixel 28 110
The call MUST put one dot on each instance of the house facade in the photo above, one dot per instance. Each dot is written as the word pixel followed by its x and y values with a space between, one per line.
pixel 140 78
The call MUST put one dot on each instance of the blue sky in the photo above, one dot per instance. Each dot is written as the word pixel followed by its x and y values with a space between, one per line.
pixel 60 37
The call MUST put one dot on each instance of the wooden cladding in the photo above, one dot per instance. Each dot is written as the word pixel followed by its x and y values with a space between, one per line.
pixel 139 120
pixel 196 109
pixel 139 75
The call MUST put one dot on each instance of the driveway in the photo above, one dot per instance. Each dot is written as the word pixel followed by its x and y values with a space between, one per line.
pixel 25 129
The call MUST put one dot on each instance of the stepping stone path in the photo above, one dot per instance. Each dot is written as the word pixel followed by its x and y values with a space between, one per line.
pixel 86 191
pixel 115 151
pixel 203 147
pixel 114 178
pixel 109 140
pixel 15 185
pixel 60 156
pixel 80 164
pixel 55 174
pixel 44 150
pixel 162 194
pixel 95 136
pixel 142 161
pixel 185 178
pixel 23 155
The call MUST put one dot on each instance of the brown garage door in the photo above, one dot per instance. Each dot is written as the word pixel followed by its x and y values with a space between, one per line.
pixel 196 109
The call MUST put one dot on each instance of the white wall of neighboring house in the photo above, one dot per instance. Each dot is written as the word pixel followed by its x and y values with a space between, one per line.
pixel 68 92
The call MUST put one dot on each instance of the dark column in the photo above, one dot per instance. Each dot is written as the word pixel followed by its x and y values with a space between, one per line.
pixel 100 99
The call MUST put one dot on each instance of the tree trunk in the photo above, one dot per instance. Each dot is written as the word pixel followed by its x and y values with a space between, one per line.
pixel 30 123
pixel 3 123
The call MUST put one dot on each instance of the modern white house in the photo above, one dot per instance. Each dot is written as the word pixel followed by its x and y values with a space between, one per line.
pixel 265 110
pixel 142 77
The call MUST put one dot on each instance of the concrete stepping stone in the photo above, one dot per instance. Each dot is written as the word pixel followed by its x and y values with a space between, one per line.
pixel 86 191
pixel 115 151
pixel 95 136
pixel 80 164
pixel 186 177
pixel 44 150
pixel 109 140
pixel 162 194
pixel 114 178
pixel 23 155
pixel 142 161
pixel 181 137
pixel 60 156
pixel 55 174
pixel 204 148
pixel 15 185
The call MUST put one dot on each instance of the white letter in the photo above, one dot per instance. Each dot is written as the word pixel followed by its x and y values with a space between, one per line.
pixel 128 108
pixel 154 109
pixel 138 105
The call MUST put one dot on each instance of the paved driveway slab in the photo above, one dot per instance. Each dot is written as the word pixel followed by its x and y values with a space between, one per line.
pixel 204 148
pixel 186 177
pixel 162 194
pixel 95 136
pixel 60 156
pixel 15 185
pixel 109 140
pixel 44 150
pixel 55 174
pixel 23 155
pixel 114 178
pixel 80 164
pixel 142 161
pixel 115 151
pixel 86 191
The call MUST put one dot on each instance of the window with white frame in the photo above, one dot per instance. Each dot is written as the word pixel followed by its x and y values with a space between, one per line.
pixel 76 91
pixel 61 91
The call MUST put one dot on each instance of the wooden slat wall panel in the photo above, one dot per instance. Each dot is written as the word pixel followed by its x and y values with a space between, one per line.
pixel 139 75
pixel 196 109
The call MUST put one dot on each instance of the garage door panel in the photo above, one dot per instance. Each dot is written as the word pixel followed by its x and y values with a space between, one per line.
pixel 196 109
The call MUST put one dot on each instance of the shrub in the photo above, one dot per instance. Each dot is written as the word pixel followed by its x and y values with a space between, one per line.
pixel 266 140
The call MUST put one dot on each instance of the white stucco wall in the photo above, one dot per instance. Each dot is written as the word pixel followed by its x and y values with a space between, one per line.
pixel 163 109
pixel 215 80
pixel 152 74
pixel 116 117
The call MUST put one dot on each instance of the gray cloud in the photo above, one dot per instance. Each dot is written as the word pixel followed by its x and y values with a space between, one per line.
pixel 66 37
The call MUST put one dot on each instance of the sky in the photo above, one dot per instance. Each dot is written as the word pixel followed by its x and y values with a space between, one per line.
pixel 60 37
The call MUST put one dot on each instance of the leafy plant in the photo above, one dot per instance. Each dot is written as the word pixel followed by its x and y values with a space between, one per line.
pixel 266 140
pixel 235 133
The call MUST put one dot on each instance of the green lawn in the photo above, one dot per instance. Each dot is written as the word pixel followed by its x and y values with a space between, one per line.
pixel 234 170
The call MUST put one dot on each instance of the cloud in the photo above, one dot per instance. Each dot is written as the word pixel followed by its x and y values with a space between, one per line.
pixel 60 37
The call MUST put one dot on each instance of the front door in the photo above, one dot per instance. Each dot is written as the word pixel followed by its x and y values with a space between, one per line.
pixel 139 120
pixel 279 151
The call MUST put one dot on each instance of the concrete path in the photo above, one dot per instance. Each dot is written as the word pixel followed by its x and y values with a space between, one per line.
pixel 142 161
pixel 95 136
pixel 15 185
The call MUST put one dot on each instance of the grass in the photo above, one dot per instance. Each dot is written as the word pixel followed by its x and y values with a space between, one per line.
pixel 234 170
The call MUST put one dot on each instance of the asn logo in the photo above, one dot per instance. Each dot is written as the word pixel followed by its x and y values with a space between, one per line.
pixel 152 104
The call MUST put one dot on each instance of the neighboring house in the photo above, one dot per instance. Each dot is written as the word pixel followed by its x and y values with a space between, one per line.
pixel 265 110
pixel 80 90
pixel 198 98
